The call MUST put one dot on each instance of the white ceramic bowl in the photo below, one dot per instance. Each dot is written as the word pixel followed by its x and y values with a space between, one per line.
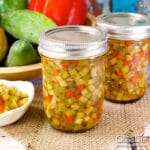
pixel 13 115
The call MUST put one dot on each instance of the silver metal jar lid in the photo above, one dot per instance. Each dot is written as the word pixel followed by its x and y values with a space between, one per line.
pixel 124 25
pixel 72 42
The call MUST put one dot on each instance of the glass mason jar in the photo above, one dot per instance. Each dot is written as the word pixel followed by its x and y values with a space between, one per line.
pixel 127 59
pixel 73 76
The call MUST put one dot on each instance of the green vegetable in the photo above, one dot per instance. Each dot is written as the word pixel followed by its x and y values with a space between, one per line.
pixel 11 5
pixel 3 44
pixel 26 24
pixel 21 53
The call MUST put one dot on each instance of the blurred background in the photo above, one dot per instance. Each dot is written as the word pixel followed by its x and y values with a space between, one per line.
pixel 97 7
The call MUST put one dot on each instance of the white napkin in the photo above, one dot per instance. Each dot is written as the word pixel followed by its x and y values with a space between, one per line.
pixel 146 131
pixel 9 143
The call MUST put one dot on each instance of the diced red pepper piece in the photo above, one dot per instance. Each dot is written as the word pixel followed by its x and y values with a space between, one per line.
pixel 2 105
pixel 60 127
pixel 128 43
pixel 147 55
pixel 115 53
pixel 119 73
pixel 48 98
pixel 56 72
pixel 99 114
pixel 140 94
pixel 75 62
pixel 148 40
pixel 98 104
pixel 69 94
pixel 121 57
pixel 68 119
pixel 79 87
pixel 134 78
pixel 64 66
pixel 142 54
pixel 46 60
pixel 77 95
pixel 128 62
pixel 136 59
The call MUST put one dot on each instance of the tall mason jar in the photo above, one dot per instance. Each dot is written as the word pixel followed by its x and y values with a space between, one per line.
pixel 73 76
pixel 127 59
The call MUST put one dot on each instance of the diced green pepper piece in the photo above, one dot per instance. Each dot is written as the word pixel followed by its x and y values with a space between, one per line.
pixel 61 107
pixel 75 106
pixel 83 99
pixel 64 74
pixel 84 71
pixel 125 69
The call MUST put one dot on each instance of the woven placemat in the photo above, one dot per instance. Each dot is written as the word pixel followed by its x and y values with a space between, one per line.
pixel 34 131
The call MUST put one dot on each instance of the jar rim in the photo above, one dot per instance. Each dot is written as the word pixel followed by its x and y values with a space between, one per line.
pixel 124 25
pixel 72 42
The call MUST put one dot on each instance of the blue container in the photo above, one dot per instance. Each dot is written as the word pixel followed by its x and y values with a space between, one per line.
pixel 125 6
pixel 136 6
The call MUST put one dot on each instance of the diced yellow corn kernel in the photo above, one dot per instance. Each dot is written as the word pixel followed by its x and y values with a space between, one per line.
pixel 22 101
pixel 89 103
pixel 56 122
pixel 75 106
pixel 63 83
pixel 145 47
pixel 23 95
pixel 69 112
pixel 73 72
pixel 83 99
pixel 113 61
pixel 49 87
pixel 89 110
pixel 84 92
pixel 5 97
pixel 86 118
pixel 91 88
pixel 80 115
pixel 80 81
pixel 78 121
pixel 93 115
pixel 125 69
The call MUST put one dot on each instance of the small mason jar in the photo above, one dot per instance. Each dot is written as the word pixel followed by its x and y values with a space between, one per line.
pixel 73 76
pixel 127 59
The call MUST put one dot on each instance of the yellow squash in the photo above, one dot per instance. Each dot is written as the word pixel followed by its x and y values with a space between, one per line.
pixel 3 44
